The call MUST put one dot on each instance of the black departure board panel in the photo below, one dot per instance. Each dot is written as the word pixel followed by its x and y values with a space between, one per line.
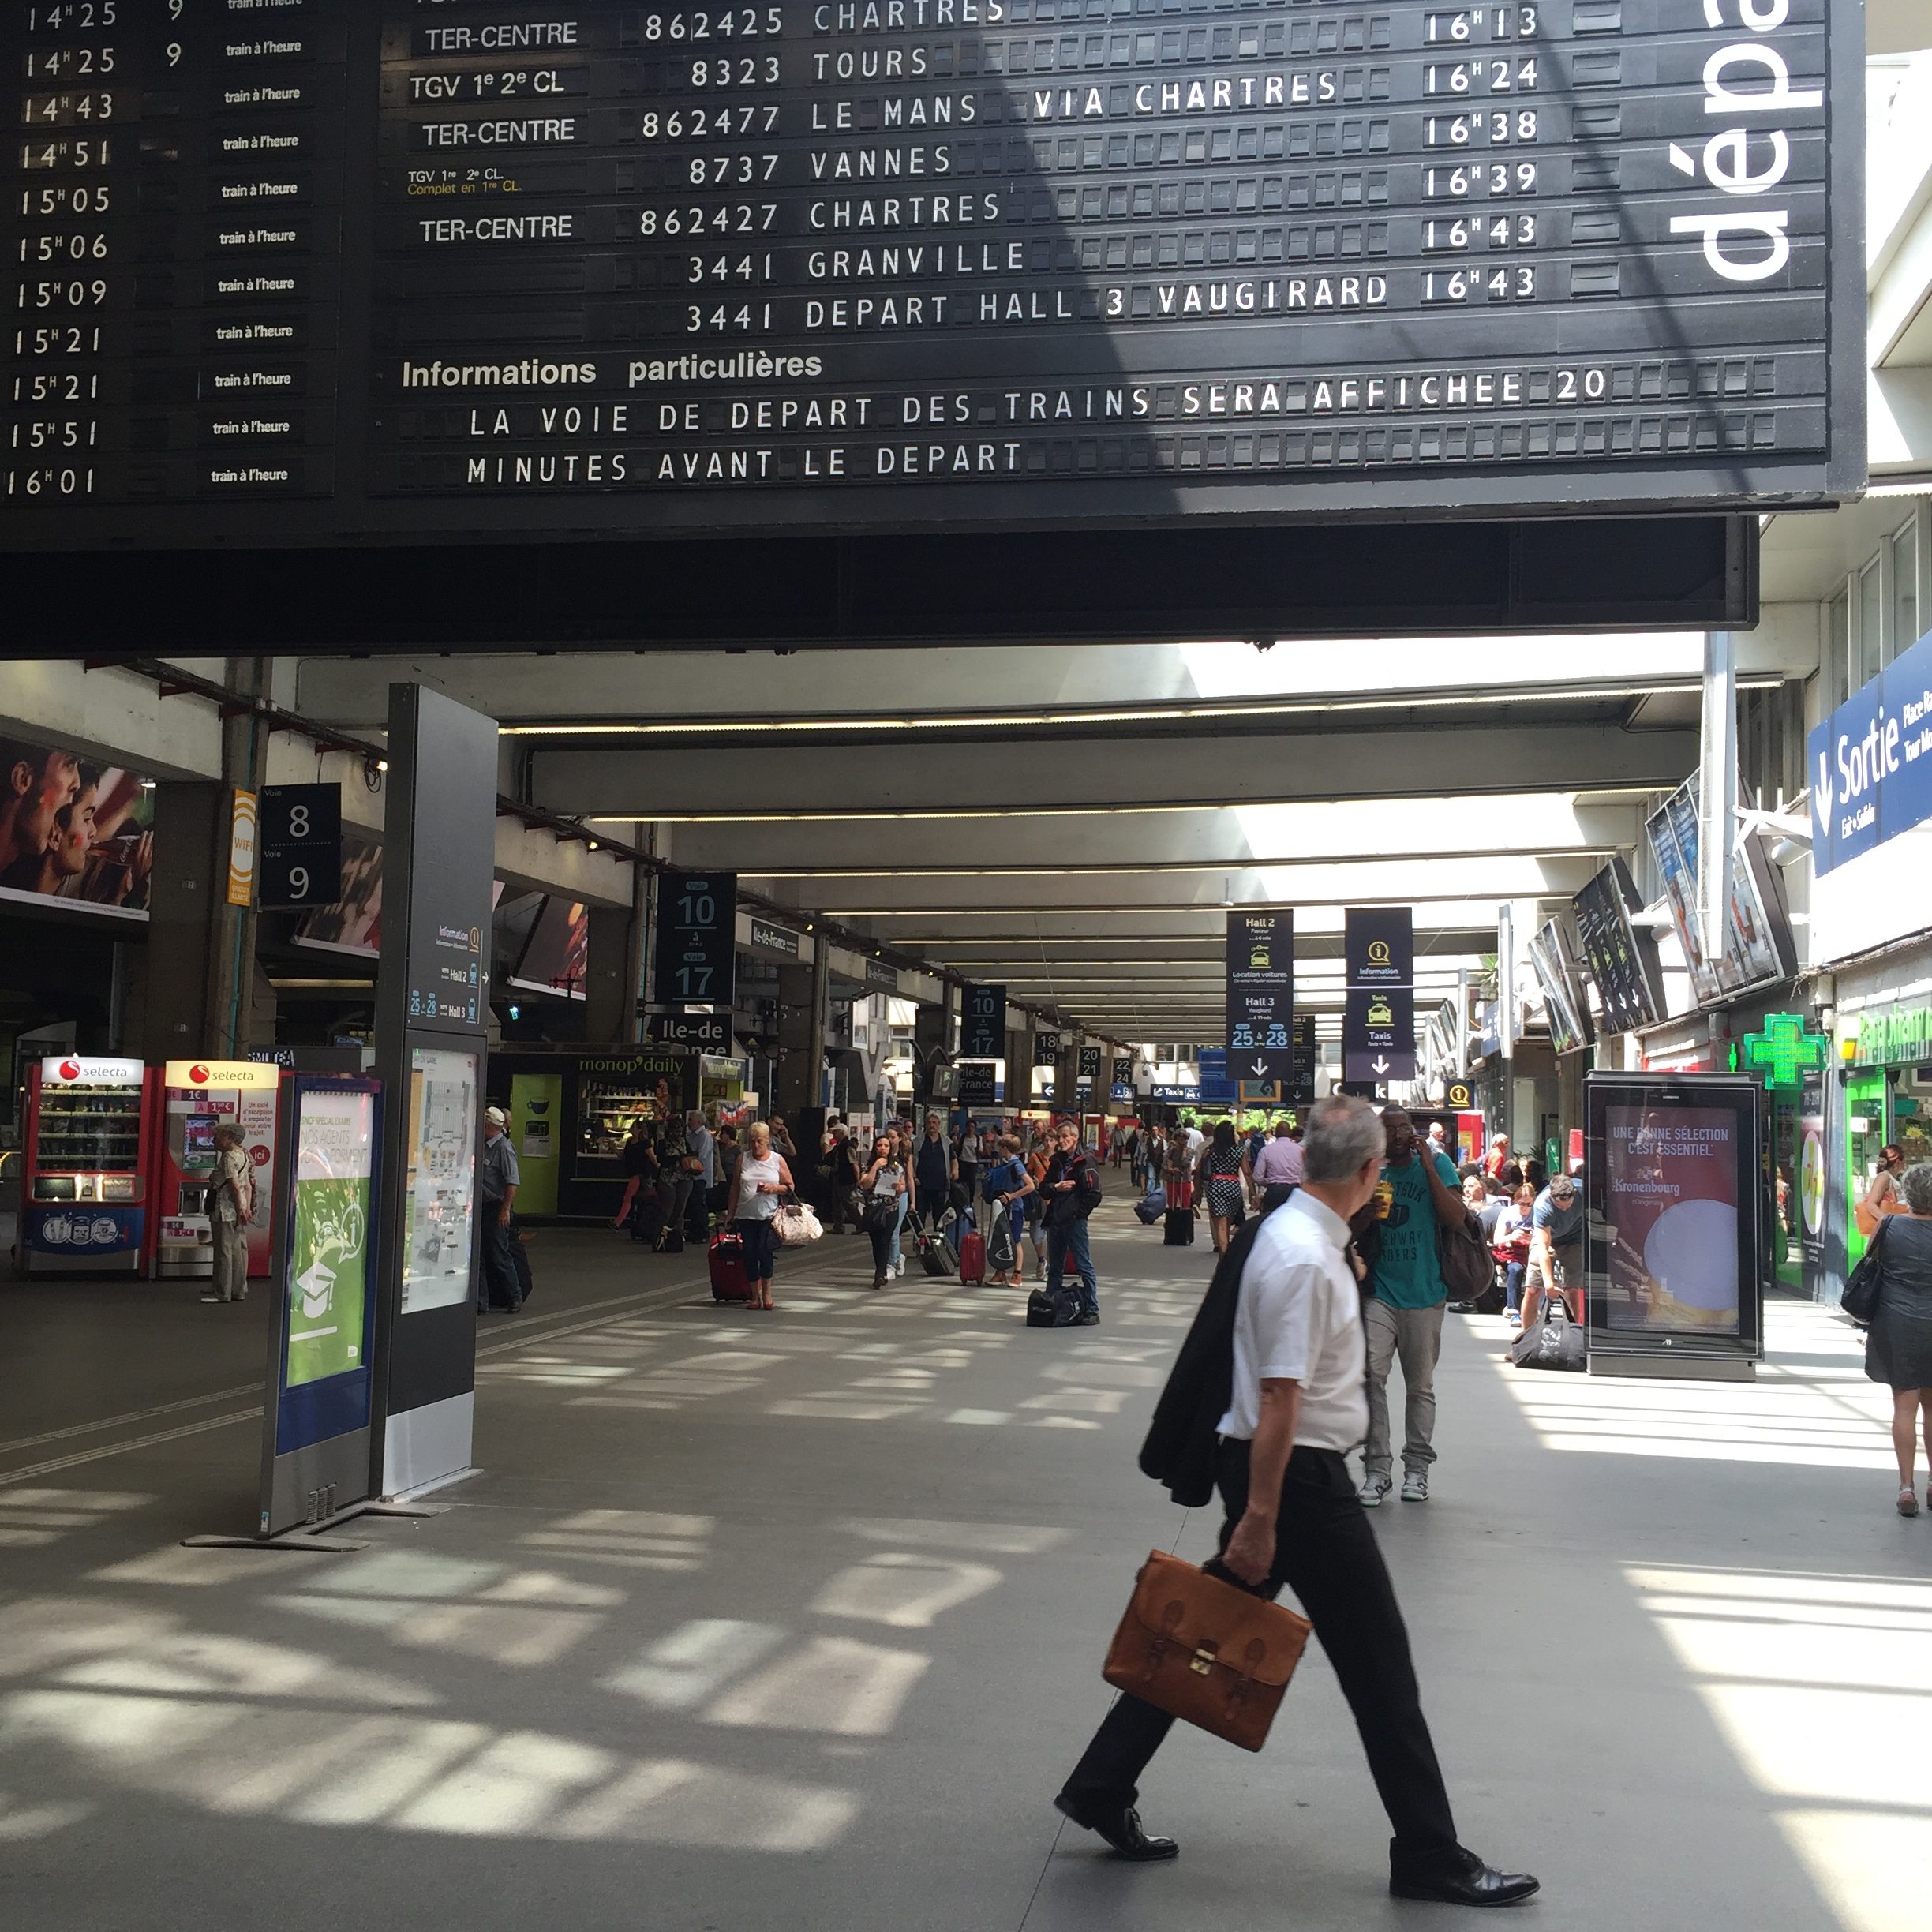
pixel 292 271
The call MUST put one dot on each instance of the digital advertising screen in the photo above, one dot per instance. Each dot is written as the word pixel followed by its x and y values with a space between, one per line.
pixel 1675 1182
pixel 330 1260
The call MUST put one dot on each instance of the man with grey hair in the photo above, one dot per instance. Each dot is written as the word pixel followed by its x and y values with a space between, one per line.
pixel 1299 1408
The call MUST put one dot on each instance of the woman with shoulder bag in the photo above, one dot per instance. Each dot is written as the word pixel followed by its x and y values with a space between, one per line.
pixel 1225 1176
pixel 1013 1191
pixel 760 1181
pixel 883 1186
pixel 1898 1345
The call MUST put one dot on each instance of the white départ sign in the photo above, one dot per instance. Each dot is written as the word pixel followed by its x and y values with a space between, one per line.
pixel 439 1204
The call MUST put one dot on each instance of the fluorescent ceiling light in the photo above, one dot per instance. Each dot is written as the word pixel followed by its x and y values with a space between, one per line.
pixel 1139 714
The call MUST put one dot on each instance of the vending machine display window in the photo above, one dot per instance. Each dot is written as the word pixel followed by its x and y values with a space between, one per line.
pixel 89 1135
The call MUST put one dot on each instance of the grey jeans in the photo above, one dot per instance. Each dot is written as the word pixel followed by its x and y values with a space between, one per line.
pixel 230 1239
pixel 1415 1335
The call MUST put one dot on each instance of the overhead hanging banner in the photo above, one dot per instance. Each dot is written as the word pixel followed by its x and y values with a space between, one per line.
pixel 1378 1013
pixel 1260 996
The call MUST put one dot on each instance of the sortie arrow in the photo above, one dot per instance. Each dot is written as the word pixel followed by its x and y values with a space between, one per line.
pixel 1380 1066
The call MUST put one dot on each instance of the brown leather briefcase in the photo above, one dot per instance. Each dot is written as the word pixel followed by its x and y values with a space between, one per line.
pixel 1203 1651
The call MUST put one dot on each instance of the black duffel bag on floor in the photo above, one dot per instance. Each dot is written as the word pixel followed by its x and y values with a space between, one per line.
pixel 1052 1311
pixel 1555 1342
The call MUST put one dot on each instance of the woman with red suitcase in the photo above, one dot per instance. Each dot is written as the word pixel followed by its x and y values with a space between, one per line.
pixel 763 1181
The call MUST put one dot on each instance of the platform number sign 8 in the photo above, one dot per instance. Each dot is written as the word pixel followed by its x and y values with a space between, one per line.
pixel 696 949
pixel 301 846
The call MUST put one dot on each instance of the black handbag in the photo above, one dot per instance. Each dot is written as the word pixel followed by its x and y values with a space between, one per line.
pixel 1860 1299
pixel 882 1213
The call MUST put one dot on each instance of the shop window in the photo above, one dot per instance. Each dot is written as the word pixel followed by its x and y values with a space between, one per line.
pixel 1838 649
pixel 1904 589
pixel 1871 613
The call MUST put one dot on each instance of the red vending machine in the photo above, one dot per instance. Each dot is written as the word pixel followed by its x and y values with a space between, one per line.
pixel 88 1152
pixel 196 1096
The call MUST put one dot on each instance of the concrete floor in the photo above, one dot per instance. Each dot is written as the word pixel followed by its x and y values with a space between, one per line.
pixel 758 1621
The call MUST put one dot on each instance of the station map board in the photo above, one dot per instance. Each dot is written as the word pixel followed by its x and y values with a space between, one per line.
pixel 311 272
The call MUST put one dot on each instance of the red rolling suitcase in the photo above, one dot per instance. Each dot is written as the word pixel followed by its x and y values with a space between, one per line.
pixel 728 1281
pixel 972 1256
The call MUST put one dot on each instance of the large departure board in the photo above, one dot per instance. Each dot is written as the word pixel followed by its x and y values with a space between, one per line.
pixel 295 272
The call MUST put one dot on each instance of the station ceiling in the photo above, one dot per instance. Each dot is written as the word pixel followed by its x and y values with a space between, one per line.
pixel 1076 821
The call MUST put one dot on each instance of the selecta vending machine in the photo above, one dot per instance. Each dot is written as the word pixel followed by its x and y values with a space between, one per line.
pixel 88 1152
pixel 197 1095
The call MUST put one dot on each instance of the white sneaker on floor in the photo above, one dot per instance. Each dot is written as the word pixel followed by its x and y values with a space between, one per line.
pixel 1415 1486
pixel 1373 1489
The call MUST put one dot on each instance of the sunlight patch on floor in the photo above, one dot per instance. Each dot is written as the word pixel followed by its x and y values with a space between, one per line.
pixel 1820 1685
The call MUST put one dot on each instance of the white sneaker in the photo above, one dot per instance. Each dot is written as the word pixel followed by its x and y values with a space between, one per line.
pixel 1415 1486
pixel 1373 1489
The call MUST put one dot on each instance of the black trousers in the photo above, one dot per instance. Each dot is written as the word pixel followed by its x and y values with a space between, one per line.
pixel 1326 1554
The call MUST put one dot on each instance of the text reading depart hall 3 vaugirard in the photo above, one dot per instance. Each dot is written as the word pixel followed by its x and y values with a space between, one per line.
pixel 306 271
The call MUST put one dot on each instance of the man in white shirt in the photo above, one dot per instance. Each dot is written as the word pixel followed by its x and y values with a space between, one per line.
pixel 1299 1406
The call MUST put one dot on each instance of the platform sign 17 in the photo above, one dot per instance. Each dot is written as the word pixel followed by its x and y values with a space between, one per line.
pixel 696 952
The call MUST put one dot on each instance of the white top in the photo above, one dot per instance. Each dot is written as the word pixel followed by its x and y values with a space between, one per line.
pixel 1299 1320
pixel 1195 1141
pixel 1278 1163
pixel 752 1205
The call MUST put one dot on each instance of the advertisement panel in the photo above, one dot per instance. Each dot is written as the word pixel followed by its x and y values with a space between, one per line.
pixel 73 832
pixel 1678 1194
pixel 329 1258
pixel 1757 943
pixel 1622 959
pixel 441 1180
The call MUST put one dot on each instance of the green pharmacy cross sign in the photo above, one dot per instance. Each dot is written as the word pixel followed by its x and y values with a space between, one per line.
pixel 1784 1050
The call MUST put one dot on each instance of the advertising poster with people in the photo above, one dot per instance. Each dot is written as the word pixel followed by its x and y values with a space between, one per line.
pixel 1670 1203
pixel 328 1246
pixel 73 831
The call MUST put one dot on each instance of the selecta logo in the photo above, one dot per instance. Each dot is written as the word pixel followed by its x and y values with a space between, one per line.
pixel 199 1074
pixel 70 1070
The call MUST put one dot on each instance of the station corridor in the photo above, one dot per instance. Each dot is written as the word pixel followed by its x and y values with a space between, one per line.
pixel 798 1618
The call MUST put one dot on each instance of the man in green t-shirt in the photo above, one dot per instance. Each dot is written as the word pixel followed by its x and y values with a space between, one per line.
pixel 1416 1195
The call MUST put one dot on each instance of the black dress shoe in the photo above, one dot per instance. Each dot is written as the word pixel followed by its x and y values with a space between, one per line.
pixel 1120 1825
pixel 1472 1883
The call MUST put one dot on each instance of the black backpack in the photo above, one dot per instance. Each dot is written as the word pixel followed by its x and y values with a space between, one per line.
pixel 1179 1451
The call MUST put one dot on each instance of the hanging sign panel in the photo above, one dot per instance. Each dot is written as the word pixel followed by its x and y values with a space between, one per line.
pixel 1378 1012
pixel 394 272
pixel 1260 996
pixel 982 1023
pixel 697 939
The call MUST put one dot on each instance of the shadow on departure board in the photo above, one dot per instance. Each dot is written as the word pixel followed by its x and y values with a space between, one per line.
pixel 296 271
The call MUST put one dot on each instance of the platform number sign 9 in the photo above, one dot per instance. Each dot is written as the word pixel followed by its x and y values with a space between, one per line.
pixel 301 846
pixel 697 934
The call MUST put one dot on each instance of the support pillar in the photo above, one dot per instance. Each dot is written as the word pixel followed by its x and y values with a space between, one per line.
pixel 793 1088
pixel 821 1016
pixel 610 1006
pixel 1717 770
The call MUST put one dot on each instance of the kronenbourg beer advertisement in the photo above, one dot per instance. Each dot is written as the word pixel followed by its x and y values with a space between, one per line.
pixel 328 1246
pixel 1671 1203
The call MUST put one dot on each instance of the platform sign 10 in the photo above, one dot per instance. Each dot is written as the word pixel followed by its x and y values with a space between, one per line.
pixel 301 846
pixel 982 1023
pixel 697 938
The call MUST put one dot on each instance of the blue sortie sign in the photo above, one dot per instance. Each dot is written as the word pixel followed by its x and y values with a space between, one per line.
pixel 1870 762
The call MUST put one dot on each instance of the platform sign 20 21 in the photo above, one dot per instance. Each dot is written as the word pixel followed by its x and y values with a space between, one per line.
pixel 697 938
